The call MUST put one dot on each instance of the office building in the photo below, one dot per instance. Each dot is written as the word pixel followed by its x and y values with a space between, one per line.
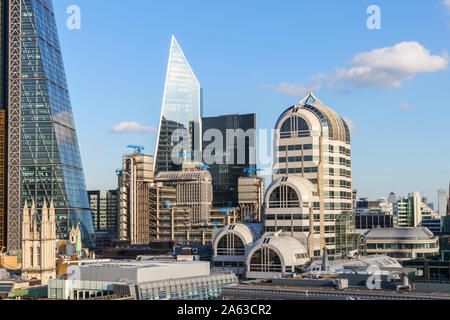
pixel 105 210
pixel 247 252
pixel 193 190
pixel 39 150
pixel 365 205
pixel 182 109
pixel 135 179
pixel 181 206
pixel 373 214
pixel 371 220
pixel 170 220
pixel 412 212
pixel 392 199
pixel 250 198
pixel 312 175
pixel 226 164
pixel 231 244
pixel 428 203
pixel 442 202
pixel 402 243
pixel 143 280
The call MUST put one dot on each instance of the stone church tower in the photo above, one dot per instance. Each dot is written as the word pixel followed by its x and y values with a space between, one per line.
pixel 39 248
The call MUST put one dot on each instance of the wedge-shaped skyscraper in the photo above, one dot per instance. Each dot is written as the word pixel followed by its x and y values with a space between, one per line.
pixel 39 152
pixel 181 111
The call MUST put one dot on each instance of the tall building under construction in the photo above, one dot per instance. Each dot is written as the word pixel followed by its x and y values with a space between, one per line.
pixel 39 151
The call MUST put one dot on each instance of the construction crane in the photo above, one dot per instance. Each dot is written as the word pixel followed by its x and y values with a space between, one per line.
pixel 251 171
pixel 138 149
pixel 226 211
pixel 203 166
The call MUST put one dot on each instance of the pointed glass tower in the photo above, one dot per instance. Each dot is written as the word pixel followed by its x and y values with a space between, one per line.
pixel 181 109
pixel 44 162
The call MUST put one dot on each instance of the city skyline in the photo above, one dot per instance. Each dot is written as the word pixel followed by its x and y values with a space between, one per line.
pixel 252 77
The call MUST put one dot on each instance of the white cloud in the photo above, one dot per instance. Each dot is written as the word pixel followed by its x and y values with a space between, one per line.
pixel 405 106
pixel 388 67
pixel 296 90
pixel 351 125
pixel 447 3
pixel 131 127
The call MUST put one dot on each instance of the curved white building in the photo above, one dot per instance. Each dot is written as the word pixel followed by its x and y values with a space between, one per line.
pixel 231 244
pixel 312 142
pixel 275 255
pixel 240 248
pixel 289 207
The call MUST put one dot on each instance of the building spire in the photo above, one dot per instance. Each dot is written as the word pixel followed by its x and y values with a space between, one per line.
pixel 308 97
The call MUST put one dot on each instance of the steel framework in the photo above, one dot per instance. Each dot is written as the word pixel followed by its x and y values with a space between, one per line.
pixel 14 115
pixel 2 177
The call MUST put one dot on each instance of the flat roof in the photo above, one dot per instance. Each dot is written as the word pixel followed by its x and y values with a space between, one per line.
pixel 133 264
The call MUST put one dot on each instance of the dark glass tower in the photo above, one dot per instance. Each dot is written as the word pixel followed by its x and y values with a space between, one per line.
pixel 225 176
pixel 44 160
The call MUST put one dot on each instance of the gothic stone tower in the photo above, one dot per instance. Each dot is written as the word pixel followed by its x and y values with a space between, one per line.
pixel 39 247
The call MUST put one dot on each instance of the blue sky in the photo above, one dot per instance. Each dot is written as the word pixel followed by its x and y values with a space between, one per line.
pixel 259 56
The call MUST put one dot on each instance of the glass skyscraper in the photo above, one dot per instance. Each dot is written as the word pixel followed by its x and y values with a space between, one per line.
pixel 44 162
pixel 182 109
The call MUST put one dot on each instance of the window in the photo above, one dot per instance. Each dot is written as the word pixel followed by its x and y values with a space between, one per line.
pixel 294 125
pixel 284 197
pixel 230 245
pixel 265 260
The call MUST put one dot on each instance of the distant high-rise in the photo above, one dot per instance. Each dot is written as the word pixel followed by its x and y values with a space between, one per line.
pixel 442 202
pixel 412 212
pixel 181 110
pixel 225 175
pixel 392 198
pixel 39 150
pixel 105 210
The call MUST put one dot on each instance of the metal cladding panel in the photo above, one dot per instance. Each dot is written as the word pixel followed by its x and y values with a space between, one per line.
pixel 144 273
pixel 173 271
pixel 108 274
